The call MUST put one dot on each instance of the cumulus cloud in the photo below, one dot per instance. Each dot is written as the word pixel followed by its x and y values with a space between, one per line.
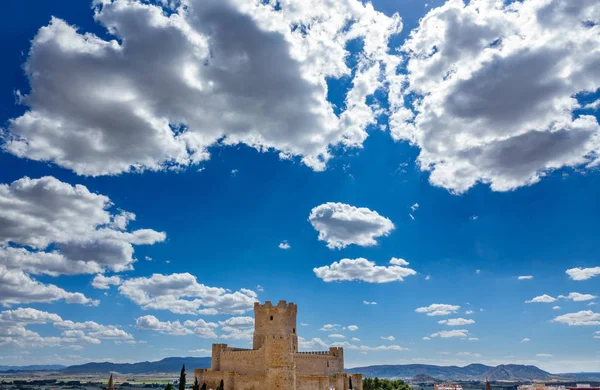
pixel 457 321
pixel 525 277
pixel 341 225
pixel 542 299
pixel 362 270
pixel 543 355
pixel 525 340
pixel 581 318
pixel 352 328
pixel 237 328
pixel 492 88
pixel 329 327
pixel 66 228
pixel 104 282
pixel 577 297
pixel 583 273
pixel 16 287
pixel 451 333
pixel 555 307
pixel 284 245
pixel 13 330
pixel 200 327
pixel 337 336
pixel 438 309
pixel 231 72
pixel 369 303
pixel 389 338
pixel 182 294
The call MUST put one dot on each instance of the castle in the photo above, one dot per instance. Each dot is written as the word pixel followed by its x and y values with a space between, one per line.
pixel 274 362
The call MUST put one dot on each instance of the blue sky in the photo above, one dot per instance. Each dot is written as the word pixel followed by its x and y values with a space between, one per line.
pixel 450 136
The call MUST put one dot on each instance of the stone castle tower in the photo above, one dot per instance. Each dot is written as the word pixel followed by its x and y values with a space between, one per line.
pixel 274 362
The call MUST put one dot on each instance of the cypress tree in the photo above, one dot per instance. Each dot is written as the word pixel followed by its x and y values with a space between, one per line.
pixel 169 386
pixel 182 378
pixel 221 385
pixel 203 386
pixel 196 385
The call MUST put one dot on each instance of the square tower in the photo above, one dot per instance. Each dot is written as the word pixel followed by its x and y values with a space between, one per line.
pixel 270 321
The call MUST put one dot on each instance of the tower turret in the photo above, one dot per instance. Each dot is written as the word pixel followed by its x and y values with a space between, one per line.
pixel 270 320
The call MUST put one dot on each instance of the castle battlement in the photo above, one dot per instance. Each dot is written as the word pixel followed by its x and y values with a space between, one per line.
pixel 274 362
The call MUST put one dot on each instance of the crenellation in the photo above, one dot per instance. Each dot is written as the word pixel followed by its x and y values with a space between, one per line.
pixel 274 362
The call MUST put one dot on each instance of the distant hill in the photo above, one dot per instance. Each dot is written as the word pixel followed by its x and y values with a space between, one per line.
pixel 39 367
pixel 407 371
pixel 172 364
pixel 517 372
pixel 423 378
pixel 472 371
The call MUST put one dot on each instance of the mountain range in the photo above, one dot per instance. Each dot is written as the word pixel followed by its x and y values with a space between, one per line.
pixel 514 372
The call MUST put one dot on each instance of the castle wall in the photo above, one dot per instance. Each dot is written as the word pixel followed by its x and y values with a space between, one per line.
pixel 244 362
pixel 312 383
pixel 318 363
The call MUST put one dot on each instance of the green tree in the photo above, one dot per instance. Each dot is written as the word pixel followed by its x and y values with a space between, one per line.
pixel 182 378
pixel 169 386
pixel 196 385
pixel 221 385
pixel 384 384
pixel 203 386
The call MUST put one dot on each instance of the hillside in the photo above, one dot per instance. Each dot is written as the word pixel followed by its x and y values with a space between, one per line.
pixel 472 371
pixel 516 372
pixel 38 367
pixel 172 364
pixel 407 371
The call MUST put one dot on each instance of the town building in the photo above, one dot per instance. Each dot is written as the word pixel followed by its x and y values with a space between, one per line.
pixel 274 362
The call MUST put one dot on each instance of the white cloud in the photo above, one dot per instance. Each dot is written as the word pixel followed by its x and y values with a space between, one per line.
pixel 201 350
pixel 311 344
pixel 577 297
pixel 469 312
pixel 451 333
pixel 84 235
pixel 478 271
pixel 329 327
pixel 525 277
pixel 592 304
pixel 414 207
pixel 426 338
pixel 362 270
pixel 13 330
pixel 352 328
pixel 396 261
pixel 493 85
pixel 542 299
pixel 468 354
pixel 369 303
pixel 583 273
pixel 16 287
pixel 581 318
pixel 355 339
pixel 473 339
pixel 104 282
pixel 284 245
pixel 337 336
pixel 200 327
pixel 543 355
pixel 597 335
pixel 525 340
pixel 555 307
pixel 237 328
pixel 169 292
pixel 341 225
pixel 457 321
pixel 389 338
pixel 438 309
pixel 219 84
